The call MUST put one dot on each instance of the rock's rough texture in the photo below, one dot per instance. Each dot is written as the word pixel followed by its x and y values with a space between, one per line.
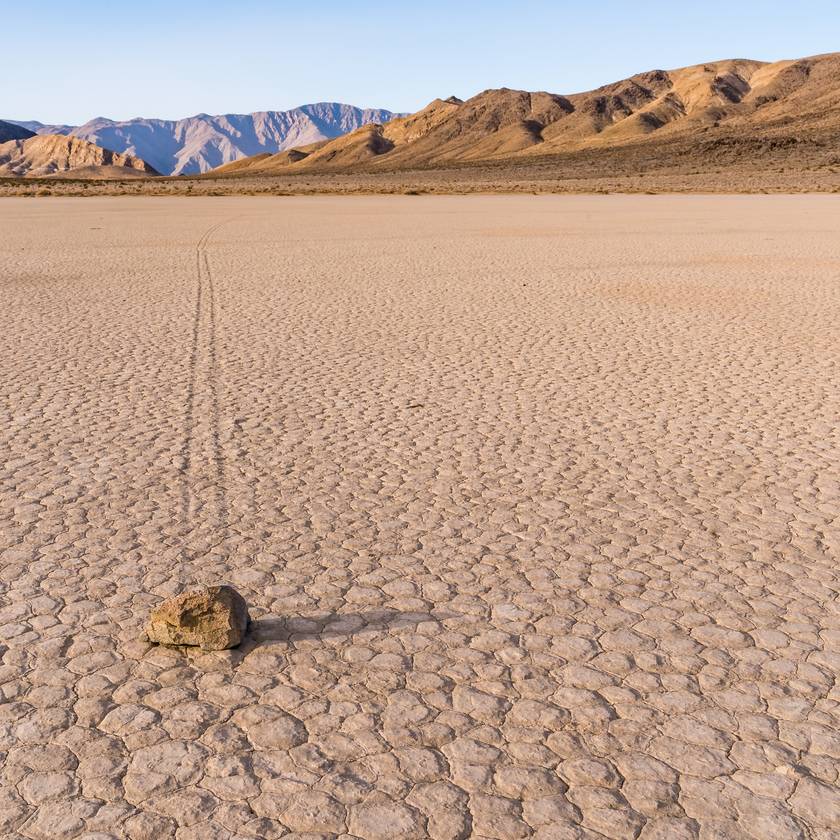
pixel 213 618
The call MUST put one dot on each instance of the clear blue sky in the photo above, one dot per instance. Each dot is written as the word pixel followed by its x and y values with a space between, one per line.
pixel 68 62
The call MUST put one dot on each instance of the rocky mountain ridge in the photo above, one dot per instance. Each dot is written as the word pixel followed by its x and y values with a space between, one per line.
pixel 202 142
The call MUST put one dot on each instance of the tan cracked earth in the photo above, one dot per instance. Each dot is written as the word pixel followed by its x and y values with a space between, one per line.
pixel 534 500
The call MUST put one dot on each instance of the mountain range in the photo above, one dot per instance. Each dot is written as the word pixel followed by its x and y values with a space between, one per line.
pixel 788 102
pixel 699 118
pixel 203 142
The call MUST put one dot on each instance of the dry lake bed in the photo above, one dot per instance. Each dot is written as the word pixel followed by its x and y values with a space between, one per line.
pixel 534 501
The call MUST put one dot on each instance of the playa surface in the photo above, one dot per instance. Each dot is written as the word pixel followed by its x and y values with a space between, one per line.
pixel 534 500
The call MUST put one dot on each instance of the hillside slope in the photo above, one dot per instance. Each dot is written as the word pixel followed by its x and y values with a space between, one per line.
pixel 786 102
pixel 52 154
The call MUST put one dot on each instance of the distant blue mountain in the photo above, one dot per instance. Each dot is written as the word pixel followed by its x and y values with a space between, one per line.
pixel 203 142
pixel 14 131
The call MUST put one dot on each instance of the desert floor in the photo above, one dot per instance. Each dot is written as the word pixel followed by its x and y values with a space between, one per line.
pixel 535 500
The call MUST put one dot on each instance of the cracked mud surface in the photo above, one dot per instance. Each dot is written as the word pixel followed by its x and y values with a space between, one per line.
pixel 534 502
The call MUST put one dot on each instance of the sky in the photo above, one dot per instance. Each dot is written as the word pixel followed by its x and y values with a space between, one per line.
pixel 70 62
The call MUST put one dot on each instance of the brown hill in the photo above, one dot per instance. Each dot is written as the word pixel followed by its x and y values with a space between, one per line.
pixel 269 161
pixel 786 101
pixel 53 154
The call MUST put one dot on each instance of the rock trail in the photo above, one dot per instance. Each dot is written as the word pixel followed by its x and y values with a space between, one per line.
pixel 204 499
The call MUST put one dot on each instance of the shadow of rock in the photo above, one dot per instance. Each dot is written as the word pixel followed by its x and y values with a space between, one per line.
pixel 337 625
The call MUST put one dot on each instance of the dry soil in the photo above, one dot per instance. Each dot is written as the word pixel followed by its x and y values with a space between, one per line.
pixel 534 500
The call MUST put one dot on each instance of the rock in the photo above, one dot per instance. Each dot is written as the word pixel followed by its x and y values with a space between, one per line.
pixel 213 618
